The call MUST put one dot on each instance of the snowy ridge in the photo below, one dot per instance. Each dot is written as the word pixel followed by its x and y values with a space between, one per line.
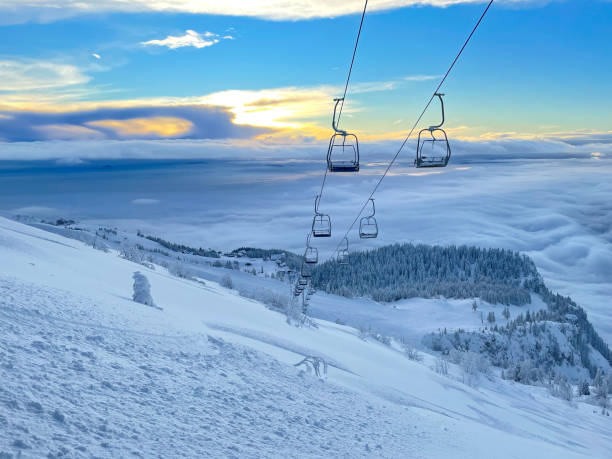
pixel 86 372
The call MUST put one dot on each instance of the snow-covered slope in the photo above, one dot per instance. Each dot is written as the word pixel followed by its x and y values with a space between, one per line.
pixel 85 371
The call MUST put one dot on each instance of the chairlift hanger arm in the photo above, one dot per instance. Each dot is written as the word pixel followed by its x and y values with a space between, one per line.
pixel 373 209
pixel 439 95
pixel 334 122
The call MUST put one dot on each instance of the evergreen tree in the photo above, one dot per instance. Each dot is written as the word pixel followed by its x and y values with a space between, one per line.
pixel 491 317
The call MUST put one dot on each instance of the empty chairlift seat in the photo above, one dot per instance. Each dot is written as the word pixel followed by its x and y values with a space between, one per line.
pixel 433 149
pixel 343 254
pixel 306 271
pixel 368 227
pixel 321 223
pixel 343 150
pixel 311 254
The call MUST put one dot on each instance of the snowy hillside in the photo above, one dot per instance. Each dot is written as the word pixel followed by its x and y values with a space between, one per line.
pixel 86 371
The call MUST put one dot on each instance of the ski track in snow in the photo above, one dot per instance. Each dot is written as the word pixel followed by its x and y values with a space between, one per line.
pixel 69 391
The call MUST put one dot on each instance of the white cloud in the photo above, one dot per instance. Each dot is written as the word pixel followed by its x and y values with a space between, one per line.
pixel 191 38
pixel 33 75
pixel 49 10
pixel 422 77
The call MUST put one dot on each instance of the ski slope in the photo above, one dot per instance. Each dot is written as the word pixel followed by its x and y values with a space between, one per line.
pixel 86 372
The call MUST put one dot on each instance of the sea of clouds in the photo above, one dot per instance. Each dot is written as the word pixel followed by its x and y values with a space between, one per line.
pixel 549 199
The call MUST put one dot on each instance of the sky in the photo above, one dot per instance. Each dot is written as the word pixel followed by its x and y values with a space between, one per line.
pixel 245 74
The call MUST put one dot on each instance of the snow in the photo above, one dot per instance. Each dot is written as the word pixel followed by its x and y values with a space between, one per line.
pixel 410 319
pixel 86 371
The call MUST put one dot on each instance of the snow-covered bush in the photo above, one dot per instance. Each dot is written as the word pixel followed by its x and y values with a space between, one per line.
pixel 226 281
pixel 142 290
pixel 179 269
pixel 525 372
pixel 413 354
pixel 295 315
pixel 99 244
pixel 264 295
pixel 441 366
pixel 134 254
pixel 473 365
pixel 130 253
pixel 315 365
pixel 560 388
pixel 365 333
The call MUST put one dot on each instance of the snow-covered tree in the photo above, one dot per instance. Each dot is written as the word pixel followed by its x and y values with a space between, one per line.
pixel 559 387
pixel 399 271
pixel 227 282
pixel 583 388
pixel 491 317
pixel 600 384
pixel 180 269
pixel 129 252
pixel 142 289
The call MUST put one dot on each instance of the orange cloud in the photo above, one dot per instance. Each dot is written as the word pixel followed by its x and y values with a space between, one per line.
pixel 160 126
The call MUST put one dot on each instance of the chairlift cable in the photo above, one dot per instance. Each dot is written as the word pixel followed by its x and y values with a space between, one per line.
pixel 416 122
pixel 348 78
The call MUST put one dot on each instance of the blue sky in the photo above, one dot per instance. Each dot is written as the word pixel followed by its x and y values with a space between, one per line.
pixel 111 71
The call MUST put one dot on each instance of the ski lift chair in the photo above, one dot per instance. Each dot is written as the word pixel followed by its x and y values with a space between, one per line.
pixel 368 227
pixel 321 223
pixel 343 150
pixel 311 254
pixel 306 270
pixel 433 149
pixel 303 282
pixel 343 254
